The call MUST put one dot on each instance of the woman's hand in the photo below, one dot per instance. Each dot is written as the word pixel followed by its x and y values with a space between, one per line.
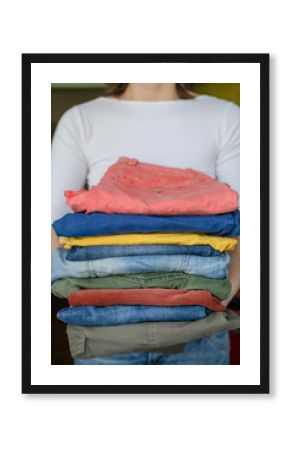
pixel 54 241
pixel 234 274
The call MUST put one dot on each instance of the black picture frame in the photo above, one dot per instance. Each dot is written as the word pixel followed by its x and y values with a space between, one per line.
pixel 263 61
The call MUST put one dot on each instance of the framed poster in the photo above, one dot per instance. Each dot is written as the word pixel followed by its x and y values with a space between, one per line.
pixel 145 272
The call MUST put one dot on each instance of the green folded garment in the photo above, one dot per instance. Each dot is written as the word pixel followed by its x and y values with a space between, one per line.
pixel 90 342
pixel 174 280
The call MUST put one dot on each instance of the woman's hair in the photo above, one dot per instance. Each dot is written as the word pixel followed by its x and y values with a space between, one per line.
pixel 184 90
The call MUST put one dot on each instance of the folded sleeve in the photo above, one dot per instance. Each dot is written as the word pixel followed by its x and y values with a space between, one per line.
pixel 68 162
pixel 228 157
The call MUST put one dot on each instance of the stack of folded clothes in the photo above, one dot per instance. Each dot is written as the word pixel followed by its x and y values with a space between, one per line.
pixel 145 259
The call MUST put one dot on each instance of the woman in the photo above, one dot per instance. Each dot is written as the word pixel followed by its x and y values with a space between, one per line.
pixel 159 123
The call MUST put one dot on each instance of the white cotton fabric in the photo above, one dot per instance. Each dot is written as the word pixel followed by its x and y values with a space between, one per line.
pixel 201 133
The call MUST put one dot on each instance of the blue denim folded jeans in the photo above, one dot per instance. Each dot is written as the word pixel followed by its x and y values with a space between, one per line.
pixel 100 224
pixel 210 267
pixel 78 253
pixel 92 316
pixel 210 350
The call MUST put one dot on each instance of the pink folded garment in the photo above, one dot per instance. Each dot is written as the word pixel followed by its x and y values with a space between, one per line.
pixel 133 187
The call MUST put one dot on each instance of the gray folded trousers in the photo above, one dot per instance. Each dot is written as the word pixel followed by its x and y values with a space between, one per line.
pixel 164 337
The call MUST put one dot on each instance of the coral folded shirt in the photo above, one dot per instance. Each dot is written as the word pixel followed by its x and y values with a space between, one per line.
pixel 157 297
pixel 133 187
pixel 221 244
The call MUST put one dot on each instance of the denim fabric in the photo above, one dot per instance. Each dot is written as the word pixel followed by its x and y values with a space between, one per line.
pixel 210 350
pixel 100 224
pixel 133 187
pixel 91 316
pixel 211 267
pixel 90 342
pixel 113 251
pixel 164 280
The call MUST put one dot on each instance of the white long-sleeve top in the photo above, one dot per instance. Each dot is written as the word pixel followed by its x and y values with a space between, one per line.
pixel 201 133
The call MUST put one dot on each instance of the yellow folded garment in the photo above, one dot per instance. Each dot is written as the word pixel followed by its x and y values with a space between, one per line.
pixel 221 244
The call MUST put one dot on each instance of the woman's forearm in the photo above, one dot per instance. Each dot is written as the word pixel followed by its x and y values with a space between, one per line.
pixel 54 240
pixel 234 273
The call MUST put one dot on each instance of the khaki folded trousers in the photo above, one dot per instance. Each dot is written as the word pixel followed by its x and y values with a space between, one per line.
pixel 164 337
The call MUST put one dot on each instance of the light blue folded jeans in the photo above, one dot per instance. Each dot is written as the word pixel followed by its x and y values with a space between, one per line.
pixel 207 266
pixel 210 350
